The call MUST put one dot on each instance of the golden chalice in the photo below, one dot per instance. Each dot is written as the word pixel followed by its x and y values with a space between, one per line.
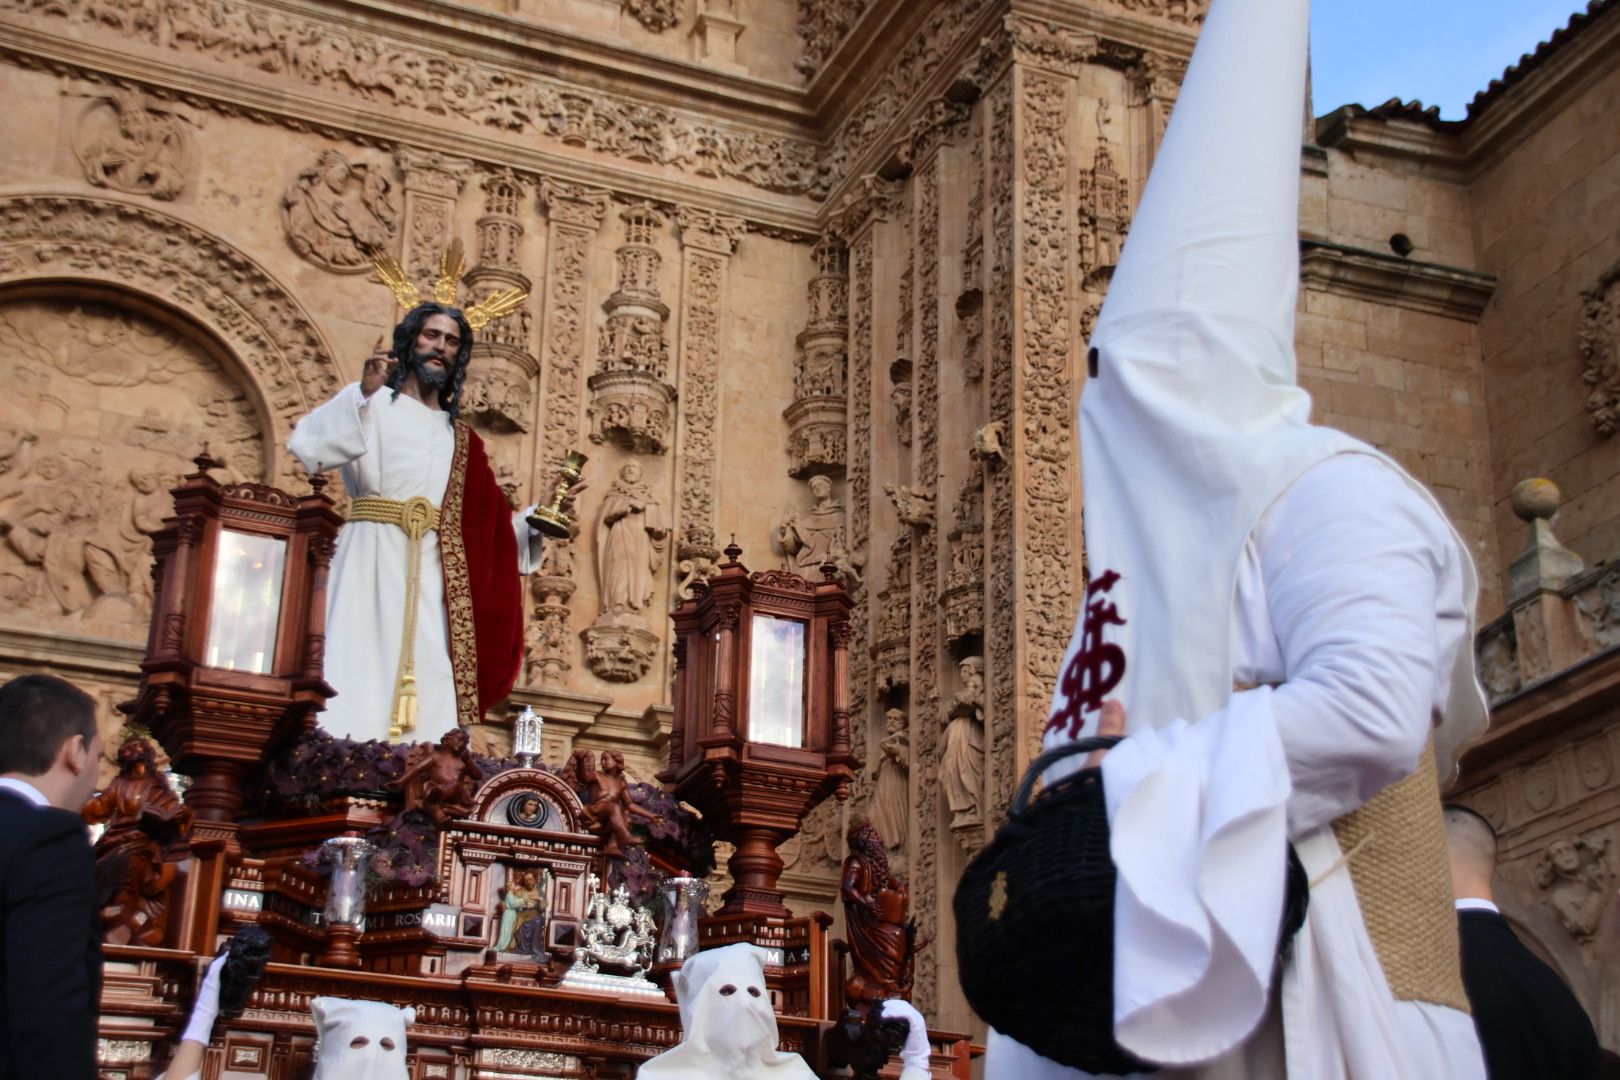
pixel 549 519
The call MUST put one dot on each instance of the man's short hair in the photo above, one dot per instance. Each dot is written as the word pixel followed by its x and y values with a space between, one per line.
pixel 1470 834
pixel 38 713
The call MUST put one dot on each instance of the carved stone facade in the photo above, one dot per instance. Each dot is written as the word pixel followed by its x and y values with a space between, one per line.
pixel 895 226
pixel 632 402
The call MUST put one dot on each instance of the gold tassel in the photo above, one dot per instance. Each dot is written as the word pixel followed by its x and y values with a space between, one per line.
pixel 404 718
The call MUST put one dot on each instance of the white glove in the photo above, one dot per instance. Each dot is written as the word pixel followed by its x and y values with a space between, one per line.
pixel 914 1055
pixel 200 1028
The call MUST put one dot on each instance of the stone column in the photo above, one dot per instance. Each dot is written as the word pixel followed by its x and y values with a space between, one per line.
pixel 574 215
pixel 708 240
pixel 916 507
pixel 632 402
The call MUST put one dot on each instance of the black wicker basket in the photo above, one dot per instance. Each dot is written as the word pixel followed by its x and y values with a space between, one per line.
pixel 1035 921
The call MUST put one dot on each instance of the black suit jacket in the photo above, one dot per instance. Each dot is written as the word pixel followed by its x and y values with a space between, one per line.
pixel 1529 1022
pixel 50 944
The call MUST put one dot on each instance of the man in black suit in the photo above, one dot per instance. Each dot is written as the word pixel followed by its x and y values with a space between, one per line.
pixel 50 932
pixel 1529 1022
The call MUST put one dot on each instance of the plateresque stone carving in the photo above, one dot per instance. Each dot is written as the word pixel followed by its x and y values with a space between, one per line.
pixel 335 213
pixel 131 143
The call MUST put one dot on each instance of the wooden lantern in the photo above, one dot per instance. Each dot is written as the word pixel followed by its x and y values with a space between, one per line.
pixel 761 728
pixel 234 657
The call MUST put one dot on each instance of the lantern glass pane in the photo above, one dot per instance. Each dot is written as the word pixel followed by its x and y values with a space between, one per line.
pixel 776 682
pixel 247 602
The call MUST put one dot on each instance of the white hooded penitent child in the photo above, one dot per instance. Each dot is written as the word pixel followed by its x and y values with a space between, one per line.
pixel 728 1028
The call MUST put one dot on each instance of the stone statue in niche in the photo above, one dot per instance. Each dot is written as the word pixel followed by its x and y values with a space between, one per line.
pixel 882 940
pixel 891 795
pixel 129 143
pixel 336 213
pixel 1577 875
pixel 819 536
pixel 143 815
pixel 440 780
pixel 961 760
pixel 630 539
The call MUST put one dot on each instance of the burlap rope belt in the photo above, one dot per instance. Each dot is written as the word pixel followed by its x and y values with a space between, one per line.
pixel 418 517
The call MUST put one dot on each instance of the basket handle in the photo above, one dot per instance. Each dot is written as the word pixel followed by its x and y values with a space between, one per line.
pixel 1052 757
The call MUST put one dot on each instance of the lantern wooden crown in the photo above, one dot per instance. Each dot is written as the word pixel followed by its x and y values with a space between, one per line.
pixel 234 656
pixel 761 728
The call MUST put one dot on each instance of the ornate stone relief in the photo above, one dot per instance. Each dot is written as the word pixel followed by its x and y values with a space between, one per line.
pixel 1002 621
pixel 707 242
pixel 914 506
pixel 1600 346
pixel 631 536
pixel 822 25
pixel 1155 83
pixel 1498 662
pixel 433 182
pixel 335 212
pixel 655 15
pixel 575 214
pixel 1104 211
pixel 112 244
pixel 900 398
pixel 397 74
pixel 632 402
pixel 818 418
pixel 1578 877
pixel 963 595
pixel 75 509
pixel 820 535
pixel 129 142
pixel 1046 452
pixel 891 647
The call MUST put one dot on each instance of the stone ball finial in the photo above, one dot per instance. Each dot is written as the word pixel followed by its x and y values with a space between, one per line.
pixel 1535 498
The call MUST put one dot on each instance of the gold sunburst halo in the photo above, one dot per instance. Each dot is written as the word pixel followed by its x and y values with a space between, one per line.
pixel 497 305
pixel 452 265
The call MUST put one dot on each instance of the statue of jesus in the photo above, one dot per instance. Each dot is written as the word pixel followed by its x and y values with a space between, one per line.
pixel 424 617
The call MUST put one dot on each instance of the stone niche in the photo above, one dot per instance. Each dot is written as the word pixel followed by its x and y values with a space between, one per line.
pixel 106 405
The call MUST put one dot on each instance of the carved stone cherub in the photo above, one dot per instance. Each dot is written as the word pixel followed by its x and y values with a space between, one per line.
pixel 440 780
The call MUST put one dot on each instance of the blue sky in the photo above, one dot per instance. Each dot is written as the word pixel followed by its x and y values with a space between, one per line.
pixel 1439 51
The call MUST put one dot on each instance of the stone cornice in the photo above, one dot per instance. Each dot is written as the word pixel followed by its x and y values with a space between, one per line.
pixel 64 652
pixel 1390 279
pixel 1412 144
pixel 265 99
pixel 1547 713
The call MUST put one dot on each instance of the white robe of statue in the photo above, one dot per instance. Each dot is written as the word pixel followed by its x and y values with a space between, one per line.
pixel 394 448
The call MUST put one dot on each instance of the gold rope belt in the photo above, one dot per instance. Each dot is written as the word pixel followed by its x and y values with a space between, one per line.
pixel 418 517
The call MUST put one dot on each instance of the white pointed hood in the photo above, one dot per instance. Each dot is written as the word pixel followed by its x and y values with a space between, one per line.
pixel 1195 423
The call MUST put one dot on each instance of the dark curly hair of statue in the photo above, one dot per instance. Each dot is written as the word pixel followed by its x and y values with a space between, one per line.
pixel 405 335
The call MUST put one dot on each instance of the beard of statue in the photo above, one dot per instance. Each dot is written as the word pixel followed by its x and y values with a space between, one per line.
pixel 430 379
pixel 449 388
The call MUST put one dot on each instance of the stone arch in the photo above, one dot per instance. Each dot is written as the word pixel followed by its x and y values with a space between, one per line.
pixel 109 245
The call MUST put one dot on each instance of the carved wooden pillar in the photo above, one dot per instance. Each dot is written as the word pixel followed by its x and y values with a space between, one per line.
pixel 708 240
pixel 432 183
pixel 574 214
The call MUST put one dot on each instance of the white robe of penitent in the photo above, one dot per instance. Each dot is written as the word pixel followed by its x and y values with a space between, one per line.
pixel 394 448
pixel 1350 611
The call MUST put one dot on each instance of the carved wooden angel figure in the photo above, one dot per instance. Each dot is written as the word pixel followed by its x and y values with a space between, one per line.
pixel 143 815
pixel 882 940
pixel 611 806
pixel 440 780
